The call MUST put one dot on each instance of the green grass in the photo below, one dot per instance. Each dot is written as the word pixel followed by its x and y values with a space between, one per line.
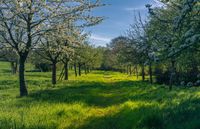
pixel 99 100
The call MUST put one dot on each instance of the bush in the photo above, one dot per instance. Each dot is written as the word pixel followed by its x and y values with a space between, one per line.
pixel 43 67
pixel 162 77
pixel 181 78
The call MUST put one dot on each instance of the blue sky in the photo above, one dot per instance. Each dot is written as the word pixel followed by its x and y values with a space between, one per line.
pixel 119 14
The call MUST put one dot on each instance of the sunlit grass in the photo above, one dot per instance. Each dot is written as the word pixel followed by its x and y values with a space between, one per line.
pixel 99 100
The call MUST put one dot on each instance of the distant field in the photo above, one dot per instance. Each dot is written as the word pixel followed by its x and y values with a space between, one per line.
pixel 99 100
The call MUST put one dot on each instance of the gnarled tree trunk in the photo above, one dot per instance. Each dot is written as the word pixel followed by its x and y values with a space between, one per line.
pixel 66 70
pixel 23 88
pixel 54 73
pixel 79 69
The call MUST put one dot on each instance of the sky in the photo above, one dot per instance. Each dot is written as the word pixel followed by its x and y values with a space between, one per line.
pixel 119 14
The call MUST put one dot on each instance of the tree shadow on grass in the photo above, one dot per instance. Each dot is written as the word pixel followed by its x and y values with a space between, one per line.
pixel 184 116
pixel 3 71
pixel 38 74
pixel 7 84
pixel 101 94
pixel 10 124
pixel 126 118
pixel 91 93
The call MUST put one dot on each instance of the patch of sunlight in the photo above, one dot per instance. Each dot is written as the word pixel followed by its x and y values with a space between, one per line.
pixel 135 104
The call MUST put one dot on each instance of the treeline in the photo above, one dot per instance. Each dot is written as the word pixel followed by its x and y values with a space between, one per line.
pixel 165 46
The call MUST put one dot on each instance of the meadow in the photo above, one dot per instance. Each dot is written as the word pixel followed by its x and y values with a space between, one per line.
pixel 99 100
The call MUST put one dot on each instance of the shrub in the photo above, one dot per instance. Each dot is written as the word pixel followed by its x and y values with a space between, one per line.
pixel 43 67
pixel 162 77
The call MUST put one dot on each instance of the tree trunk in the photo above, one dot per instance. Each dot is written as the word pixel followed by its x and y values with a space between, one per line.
pixel 75 71
pixel 137 72
pixel 172 75
pixel 150 73
pixel 66 70
pixel 79 69
pixel 53 73
pixel 130 70
pixel 143 73
pixel 23 89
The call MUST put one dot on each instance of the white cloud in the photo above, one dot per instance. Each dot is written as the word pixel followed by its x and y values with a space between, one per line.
pixel 135 8
pixel 100 38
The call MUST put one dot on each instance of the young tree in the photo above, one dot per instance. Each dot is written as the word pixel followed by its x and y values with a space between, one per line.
pixel 142 45
pixel 51 49
pixel 74 39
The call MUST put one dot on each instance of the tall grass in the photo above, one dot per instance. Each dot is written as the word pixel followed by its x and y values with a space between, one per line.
pixel 99 100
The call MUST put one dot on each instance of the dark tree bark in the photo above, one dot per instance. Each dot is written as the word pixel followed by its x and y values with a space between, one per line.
pixel 23 89
pixel 75 71
pixel 23 56
pixel 79 69
pixel 54 73
pixel 150 73
pixel 143 73
pixel 66 67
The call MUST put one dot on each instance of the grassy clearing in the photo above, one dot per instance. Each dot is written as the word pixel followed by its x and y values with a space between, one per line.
pixel 100 100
